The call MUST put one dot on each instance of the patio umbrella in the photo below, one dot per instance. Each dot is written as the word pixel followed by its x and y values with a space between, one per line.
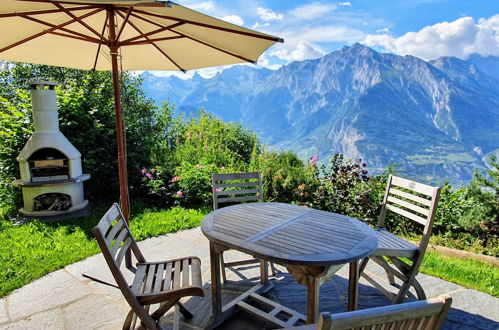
pixel 125 34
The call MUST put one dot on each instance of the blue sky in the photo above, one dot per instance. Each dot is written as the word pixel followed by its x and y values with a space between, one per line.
pixel 424 28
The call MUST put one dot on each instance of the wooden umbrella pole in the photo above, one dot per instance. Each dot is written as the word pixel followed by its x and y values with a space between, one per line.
pixel 119 119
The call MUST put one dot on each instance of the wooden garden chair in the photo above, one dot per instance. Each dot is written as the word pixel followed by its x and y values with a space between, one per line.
pixel 416 202
pixel 426 314
pixel 235 188
pixel 163 282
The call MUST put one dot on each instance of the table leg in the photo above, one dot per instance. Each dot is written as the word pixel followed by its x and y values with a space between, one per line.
pixel 216 293
pixel 312 300
pixel 353 285
pixel 264 271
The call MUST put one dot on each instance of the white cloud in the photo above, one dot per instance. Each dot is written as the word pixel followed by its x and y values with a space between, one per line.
pixel 257 25
pixel 345 4
pixel 268 15
pixel 304 50
pixel 458 38
pixel 312 11
pixel 383 30
pixel 234 19
pixel 204 6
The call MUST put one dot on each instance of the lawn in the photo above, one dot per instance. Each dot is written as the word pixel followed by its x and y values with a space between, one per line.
pixel 29 251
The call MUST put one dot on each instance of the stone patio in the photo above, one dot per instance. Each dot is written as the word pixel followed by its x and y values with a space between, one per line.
pixel 66 300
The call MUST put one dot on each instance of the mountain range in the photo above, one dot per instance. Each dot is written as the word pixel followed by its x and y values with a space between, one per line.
pixel 431 120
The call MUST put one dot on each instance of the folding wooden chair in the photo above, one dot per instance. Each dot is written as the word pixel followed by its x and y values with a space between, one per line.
pixel 414 201
pixel 427 314
pixel 164 282
pixel 234 188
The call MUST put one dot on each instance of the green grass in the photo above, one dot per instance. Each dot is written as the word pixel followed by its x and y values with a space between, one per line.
pixel 469 273
pixel 27 252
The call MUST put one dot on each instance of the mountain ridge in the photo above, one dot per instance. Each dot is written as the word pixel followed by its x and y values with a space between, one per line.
pixel 437 119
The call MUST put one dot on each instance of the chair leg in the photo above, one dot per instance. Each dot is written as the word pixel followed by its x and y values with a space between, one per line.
pixel 127 325
pixel 419 290
pixel 273 269
pixel 363 265
pixel 402 292
pixel 185 312
pixel 222 265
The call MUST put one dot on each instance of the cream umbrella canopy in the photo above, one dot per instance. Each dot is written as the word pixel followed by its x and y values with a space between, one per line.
pixel 126 34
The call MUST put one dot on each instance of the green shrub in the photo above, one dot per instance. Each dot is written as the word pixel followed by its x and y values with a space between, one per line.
pixel 87 119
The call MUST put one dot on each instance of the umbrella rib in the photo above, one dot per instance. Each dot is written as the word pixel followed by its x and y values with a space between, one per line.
pixel 20 42
pixel 79 20
pixel 77 35
pixel 165 28
pixel 125 20
pixel 209 26
pixel 218 48
pixel 153 44
pixel 142 42
pixel 98 48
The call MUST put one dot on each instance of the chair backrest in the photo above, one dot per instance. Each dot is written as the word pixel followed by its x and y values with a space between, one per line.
pixel 115 240
pixel 424 314
pixel 236 187
pixel 412 200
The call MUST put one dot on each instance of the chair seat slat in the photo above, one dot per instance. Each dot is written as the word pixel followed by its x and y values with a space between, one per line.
pixel 159 276
pixel 138 281
pixel 196 272
pixel 149 280
pixel 185 272
pixel 176 274
pixel 168 276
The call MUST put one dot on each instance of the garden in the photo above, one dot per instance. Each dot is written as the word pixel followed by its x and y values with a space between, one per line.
pixel 170 162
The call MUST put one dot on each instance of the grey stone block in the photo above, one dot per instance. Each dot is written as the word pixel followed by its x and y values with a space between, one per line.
pixel 53 290
pixel 95 312
pixel 52 319
pixel 4 317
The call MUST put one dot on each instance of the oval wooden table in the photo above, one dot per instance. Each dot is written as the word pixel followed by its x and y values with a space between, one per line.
pixel 311 244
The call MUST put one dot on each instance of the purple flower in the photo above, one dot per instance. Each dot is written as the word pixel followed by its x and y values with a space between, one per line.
pixel 218 190
pixel 144 171
pixel 175 178
pixel 313 160
pixel 179 194
pixel 149 176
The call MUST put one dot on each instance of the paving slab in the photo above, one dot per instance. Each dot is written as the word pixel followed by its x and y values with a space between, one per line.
pixel 51 291
pixel 95 312
pixel 3 312
pixel 51 319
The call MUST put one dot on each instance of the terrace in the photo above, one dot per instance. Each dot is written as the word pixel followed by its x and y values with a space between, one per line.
pixel 66 300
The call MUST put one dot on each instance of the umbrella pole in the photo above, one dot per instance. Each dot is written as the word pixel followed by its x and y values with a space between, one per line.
pixel 113 47
pixel 120 140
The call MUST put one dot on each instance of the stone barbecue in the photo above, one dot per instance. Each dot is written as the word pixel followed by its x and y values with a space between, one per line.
pixel 51 172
